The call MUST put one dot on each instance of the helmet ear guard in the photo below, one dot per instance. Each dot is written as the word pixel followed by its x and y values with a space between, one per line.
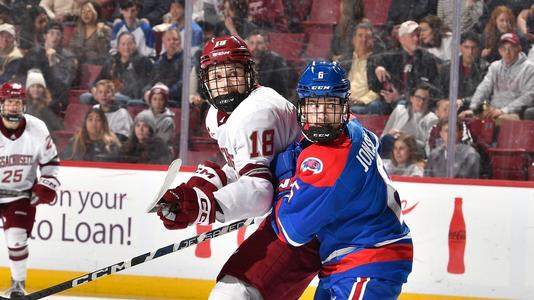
pixel 220 52
pixel 320 84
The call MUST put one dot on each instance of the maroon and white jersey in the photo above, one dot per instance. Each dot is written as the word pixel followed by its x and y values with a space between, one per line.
pixel 22 151
pixel 249 138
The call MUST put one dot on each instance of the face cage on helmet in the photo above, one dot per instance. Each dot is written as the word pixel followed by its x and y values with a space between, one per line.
pixel 325 131
pixel 12 117
pixel 228 102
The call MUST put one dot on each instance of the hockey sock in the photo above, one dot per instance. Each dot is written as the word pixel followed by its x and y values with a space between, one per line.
pixel 17 245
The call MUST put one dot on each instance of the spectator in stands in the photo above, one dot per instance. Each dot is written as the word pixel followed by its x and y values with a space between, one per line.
pixel 297 11
pixel 509 84
pixel 272 69
pixel 362 99
pixel 471 12
pixel 143 146
pixel 471 69
pixel 441 110
pixel 10 55
pixel 154 10
pixel 525 23
pixel 415 119
pixel 195 98
pixel 207 11
pixel 435 37
pixel 59 65
pixel 352 14
pixel 129 71
pixel 404 158
pixel 94 142
pixel 401 11
pixel 5 14
pixel 177 20
pixel 267 15
pixel 91 38
pixel 235 20
pixel 157 99
pixel 502 21
pixel 33 28
pixel 107 10
pixel 168 67
pixel 466 159
pixel 118 119
pixel 396 72
pixel 39 100
pixel 62 11
pixel 515 6
pixel 141 30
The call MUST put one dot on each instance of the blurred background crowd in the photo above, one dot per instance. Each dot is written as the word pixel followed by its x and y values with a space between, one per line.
pixel 106 76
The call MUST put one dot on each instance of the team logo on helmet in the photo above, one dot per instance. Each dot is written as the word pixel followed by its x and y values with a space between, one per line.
pixel 312 164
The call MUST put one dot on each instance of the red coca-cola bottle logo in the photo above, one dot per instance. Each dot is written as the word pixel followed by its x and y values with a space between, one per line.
pixel 457 239
pixel 203 250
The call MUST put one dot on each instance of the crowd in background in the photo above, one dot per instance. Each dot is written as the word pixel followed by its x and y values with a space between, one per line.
pixel 106 76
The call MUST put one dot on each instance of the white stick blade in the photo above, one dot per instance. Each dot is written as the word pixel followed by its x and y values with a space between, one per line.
pixel 172 172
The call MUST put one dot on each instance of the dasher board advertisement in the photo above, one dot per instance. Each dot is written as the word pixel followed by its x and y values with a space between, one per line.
pixel 472 238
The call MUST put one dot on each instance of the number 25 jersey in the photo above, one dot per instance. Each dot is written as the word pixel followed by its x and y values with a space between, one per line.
pixel 22 152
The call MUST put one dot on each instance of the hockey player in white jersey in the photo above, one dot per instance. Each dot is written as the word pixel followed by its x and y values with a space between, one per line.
pixel 251 124
pixel 25 147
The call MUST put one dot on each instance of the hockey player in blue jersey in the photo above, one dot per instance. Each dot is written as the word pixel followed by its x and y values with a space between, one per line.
pixel 333 186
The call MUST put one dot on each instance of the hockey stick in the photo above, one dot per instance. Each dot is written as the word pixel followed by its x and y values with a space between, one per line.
pixel 115 268
pixel 172 172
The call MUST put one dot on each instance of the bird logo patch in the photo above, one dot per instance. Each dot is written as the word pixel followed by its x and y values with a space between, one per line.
pixel 311 164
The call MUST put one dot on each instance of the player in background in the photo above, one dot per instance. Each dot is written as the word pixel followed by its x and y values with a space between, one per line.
pixel 251 124
pixel 25 147
pixel 342 195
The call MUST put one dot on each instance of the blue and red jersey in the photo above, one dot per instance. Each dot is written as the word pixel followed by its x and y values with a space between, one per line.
pixel 342 195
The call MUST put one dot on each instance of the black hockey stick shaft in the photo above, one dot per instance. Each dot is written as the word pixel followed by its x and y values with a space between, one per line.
pixel 115 268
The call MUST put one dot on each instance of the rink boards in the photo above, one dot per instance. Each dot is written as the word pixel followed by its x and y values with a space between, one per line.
pixel 99 219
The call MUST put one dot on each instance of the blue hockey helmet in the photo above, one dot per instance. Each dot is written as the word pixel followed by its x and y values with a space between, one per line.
pixel 322 107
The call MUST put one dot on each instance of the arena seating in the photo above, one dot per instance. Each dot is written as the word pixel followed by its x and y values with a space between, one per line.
pixel 513 155
pixel 324 15
pixel 375 123
pixel 75 115
pixel 61 139
pixel 88 74
pixel 287 45
pixel 74 95
pixel 318 46
pixel 377 11
pixel 68 33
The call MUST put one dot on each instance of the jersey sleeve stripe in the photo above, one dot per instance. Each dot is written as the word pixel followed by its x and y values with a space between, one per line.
pixel 53 162
pixel 288 239
pixel 277 222
pixel 282 232
pixel 256 170
pixel 388 253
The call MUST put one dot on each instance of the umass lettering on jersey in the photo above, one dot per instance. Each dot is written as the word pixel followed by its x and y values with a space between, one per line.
pixel 15 160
